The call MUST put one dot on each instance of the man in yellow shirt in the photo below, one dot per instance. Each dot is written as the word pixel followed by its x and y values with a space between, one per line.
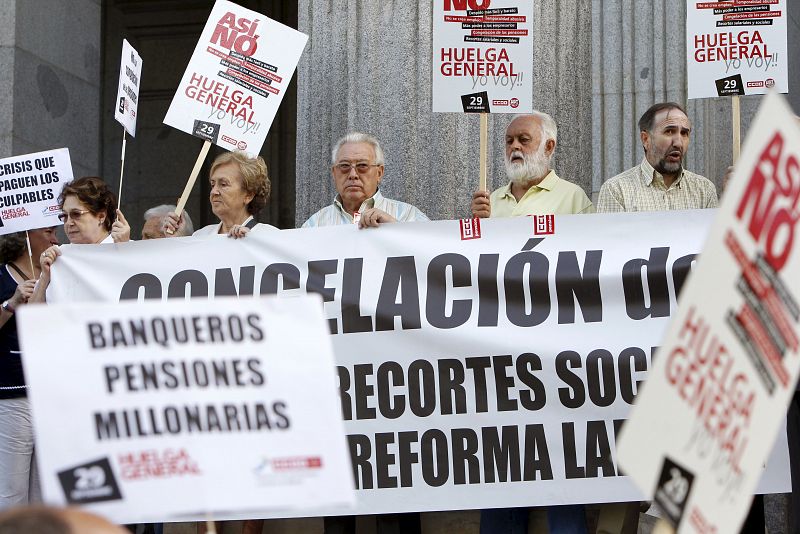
pixel 534 188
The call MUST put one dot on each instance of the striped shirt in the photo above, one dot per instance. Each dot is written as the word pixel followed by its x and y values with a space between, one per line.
pixel 336 214
pixel 642 188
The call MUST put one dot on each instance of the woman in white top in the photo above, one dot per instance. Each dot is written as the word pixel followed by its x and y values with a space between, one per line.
pixel 239 190
pixel 90 216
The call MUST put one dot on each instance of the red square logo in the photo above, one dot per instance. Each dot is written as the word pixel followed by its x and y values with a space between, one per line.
pixel 470 229
pixel 544 224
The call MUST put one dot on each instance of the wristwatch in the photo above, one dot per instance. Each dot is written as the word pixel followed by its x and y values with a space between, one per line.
pixel 7 306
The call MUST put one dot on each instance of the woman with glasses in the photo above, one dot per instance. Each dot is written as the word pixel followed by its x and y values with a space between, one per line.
pixel 19 483
pixel 239 190
pixel 90 216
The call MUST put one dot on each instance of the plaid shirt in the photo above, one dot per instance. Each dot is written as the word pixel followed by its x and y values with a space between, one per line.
pixel 642 188
pixel 336 214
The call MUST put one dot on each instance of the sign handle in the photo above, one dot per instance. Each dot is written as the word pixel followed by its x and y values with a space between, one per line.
pixel 121 170
pixel 192 177
pixel 736 122
pixel 484 143
pixel 210 527
pixel 30 253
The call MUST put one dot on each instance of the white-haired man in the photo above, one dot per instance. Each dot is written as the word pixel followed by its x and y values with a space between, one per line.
pixel 154 223
pixel 357 167
pixel 534 188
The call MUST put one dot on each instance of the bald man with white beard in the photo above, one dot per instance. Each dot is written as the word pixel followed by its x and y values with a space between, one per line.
pixel 534 188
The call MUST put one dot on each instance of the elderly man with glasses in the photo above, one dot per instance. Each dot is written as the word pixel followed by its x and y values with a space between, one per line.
pixel 357 169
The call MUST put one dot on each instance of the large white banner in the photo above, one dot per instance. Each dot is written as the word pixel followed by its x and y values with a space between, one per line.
pixel 130 75
pixel 236 78
pixel 481 363
pixel 29 189
pixel 728 366
pixel 483 56
pixel 156 411
pixel 736 47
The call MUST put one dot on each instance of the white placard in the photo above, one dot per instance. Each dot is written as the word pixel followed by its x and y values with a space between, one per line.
pixel 736 47
pixel 717 395
pixel 29 189
pixel 533 332
pixel 130 75
pixel 158 411
pixel 236 78
pixel 483 56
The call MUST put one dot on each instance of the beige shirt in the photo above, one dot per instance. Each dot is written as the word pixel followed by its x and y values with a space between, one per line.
pixel 551 196
pixel 642 188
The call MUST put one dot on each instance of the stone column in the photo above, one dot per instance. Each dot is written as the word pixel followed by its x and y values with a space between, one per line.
pixel 50 88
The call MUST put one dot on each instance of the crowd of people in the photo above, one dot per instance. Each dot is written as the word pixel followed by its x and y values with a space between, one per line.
pixel 240 188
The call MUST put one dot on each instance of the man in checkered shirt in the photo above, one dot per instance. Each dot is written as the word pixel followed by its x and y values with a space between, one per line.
pixel 660 182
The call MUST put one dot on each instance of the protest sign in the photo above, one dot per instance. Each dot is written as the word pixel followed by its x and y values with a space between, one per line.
pixel 483 56
pixel 489 364
pixel 160 411
pixel 736 47
pixel 727 368
pixel 29 189
pixel 130 73
pixel 236 78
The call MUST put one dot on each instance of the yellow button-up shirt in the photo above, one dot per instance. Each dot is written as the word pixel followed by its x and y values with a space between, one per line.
pixel 551 196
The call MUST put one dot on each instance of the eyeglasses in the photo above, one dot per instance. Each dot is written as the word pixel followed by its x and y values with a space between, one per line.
pixel 74 215
pixel 361 168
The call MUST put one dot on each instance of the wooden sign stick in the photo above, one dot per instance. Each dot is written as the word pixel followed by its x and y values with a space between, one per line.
pixel 210 527
pixel 30 253
pixel 662 526
pixel 737 127
pixel 484 143
pixel 192 177
pixel 121 170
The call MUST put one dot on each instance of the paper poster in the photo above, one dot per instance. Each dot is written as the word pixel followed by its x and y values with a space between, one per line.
pixel 483 56
pixel 29 189
pixel 236 78
pixel 736 47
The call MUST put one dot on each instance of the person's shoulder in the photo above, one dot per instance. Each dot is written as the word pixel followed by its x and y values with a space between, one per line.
pixel 316 218
pixel 625 176
pixel 702 180
pixel 404 211
pixel 206 230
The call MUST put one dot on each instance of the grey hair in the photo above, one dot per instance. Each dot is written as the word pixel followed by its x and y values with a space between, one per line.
pixel 162 211
pixel 549 128
pixel 358 137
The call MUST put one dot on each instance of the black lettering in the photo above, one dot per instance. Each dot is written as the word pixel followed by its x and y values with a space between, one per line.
pixel 633 286
pixel 400 275
pixel 501 455
pixel 352 320
pixel 436 303
pixel 572 286
pixel 574 395
pixel 538 268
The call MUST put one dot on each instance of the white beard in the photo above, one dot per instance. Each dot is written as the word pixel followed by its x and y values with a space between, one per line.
pixel 533 167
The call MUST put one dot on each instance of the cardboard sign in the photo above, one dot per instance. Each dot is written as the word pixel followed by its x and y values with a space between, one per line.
pixel 29 189
pixel 236 78
pixel 130 74
pixel 723 377
pixel 157 411
pixel 486 365
pixel 736 47
pixel 483 56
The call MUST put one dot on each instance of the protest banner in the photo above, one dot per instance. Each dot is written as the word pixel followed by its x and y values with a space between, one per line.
pixel 483 60
pixel 130 74
pixel 727 368
pixel 29 189
pixel 489 364
pixel 235 81
pixel 736 47
pixel 168 410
